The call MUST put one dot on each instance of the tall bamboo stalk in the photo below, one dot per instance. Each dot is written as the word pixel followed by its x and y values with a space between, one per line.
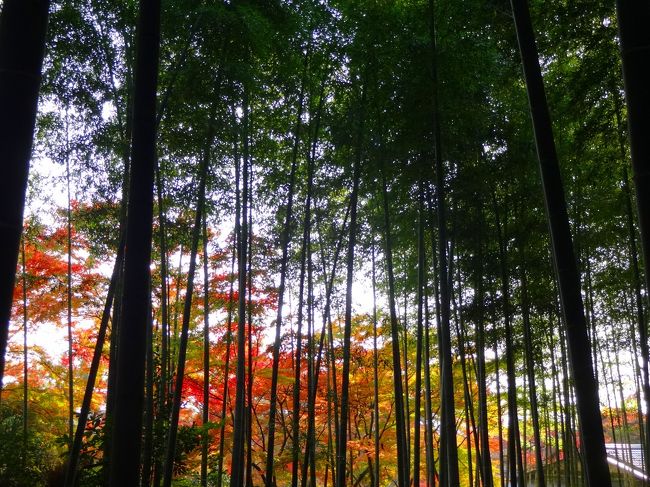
pixel 205 412
pixel 588 404
pixel 237 461
pixel 22 46
pixel 449 461
pixel 341 446
pixel 285 240
pixel 402 460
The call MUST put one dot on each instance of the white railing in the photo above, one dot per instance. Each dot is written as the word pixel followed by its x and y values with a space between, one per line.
pixel 627 457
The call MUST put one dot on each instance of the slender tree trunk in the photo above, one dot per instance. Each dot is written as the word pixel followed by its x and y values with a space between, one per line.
pixel 69 289
pixel 431 466
pixel 310 450
pixel 111 386
pixel 73 460
pixel 548 438
pixel 285 240
pixel 448 429
pixel 226 373
pixel 237 462
pixel 558 425
pixel 331 432
pixel 333 392
pixel 25 357
pixel 127 427
pixel 402 460
pixel 407 396
pixel 590 315
pixel 375 360
pixel 22 44
pixel 470 423
pixel 297 371
pixel 419 337
pixel 163 391
pixel 564 410
pixel 249 367
pixel 173 337
pixel 530 370
pixel 310 447
pixel 306 243
pixel 588 404
pixel 486 463
pixel 515 469
pixel 205 413
pixel 502 471
pixel 326 327
pixel 187 308
pixel 341 445
pixel 607 366
pixel 436 295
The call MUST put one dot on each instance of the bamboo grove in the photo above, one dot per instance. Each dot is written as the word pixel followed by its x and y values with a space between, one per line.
pixel 324 242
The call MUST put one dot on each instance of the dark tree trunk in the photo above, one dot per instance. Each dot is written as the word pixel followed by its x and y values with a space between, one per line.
pixel 173 332
pixel 341 445
pixel 297 372
pixel 226 368
pixel 119 287
pixel 431 467
pixel 310 449
pixel 486 462
pixel 69 288
pixel 116 319
pixel 515 468
pixel 164 308
pixel 249 367
pixel 205 413
pixel 187 307
pixel 309 454
pixel 588 404
pixel 73 460
pixel 375 360
pixel 633 21
pixel 127 424
pixel 448 428
pixel 23 24
pixel 502 473
pixel 470 422
pixel 530 371
pixel 436 296
pixel 306 252
pixel 237 463
pixel 634 262
pixel 147 449
pixel 407 406
pixel 419 338
pixel 402 461
pixel 570 449
pixel 285 239
pixel 25 356
pixel 310 446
